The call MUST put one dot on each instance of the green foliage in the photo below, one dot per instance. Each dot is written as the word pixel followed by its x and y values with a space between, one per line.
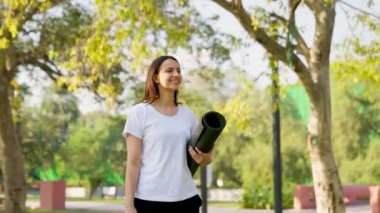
pixel 195 101
pixel 98 45
pixel 257 197
pixel 95 150
pixel 244 153
pixel 45 129
pixel 356 123
pixel 355 139
pixel 238 132
pixel 361 58
pixel 351 72
pixel 19 92
pixel 134 32
pixel 208 82
pixel 12 22
pixel 362 170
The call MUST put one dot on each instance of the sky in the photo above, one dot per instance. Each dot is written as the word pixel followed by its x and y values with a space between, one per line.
pixel 250 59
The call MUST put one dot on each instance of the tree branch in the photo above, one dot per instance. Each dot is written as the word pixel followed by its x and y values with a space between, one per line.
pixel 53 74
pixel 317 6
pixel 301 44
pixel 45 65
pixel 358 9
pixel 258 34
pixel 311 5
pixel 321 46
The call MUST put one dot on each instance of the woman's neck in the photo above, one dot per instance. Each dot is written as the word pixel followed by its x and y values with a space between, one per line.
pixel 165 105
pixel 165 101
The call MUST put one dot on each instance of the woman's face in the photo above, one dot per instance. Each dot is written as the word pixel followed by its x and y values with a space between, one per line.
pixel 169 76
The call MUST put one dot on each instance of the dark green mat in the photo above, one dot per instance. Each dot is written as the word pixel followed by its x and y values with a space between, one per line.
pixel 208 130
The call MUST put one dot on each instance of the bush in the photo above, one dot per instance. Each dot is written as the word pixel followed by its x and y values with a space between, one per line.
pixel 257 197
pixel 262 197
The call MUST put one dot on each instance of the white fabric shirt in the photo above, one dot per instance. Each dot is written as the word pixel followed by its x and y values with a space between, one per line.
pixel 164 174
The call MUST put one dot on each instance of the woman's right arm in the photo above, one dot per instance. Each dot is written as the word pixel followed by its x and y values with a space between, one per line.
pixel 134 147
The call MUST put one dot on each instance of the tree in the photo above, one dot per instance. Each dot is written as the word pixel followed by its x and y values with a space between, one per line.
pixel 248 137
pixel 83 46
pixel 312 65
pixel 95 146
pixel 21 23
pixel 45 128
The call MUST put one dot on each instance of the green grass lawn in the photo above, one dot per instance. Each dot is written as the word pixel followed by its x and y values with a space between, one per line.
pixel 224 204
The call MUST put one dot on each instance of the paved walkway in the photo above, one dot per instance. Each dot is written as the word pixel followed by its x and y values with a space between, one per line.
pixel 117 207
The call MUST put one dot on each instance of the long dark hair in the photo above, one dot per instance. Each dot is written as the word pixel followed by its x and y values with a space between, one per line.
pixel 151 92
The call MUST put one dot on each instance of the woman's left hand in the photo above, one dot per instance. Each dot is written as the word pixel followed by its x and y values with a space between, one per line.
pixel 202 158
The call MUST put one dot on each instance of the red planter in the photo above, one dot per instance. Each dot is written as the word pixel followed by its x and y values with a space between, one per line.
pixel 52 194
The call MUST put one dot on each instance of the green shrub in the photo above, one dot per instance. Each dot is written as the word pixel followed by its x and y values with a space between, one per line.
pixel 262 197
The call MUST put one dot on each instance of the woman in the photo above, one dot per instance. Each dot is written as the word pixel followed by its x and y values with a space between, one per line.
pixel 157 131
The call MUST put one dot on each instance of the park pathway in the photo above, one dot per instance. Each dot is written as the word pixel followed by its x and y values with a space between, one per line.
pixel 117 207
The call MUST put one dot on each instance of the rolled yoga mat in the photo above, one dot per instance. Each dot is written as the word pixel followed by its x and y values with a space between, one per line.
pixel 208 130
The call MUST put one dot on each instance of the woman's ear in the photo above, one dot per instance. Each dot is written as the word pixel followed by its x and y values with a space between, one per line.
pixel 155 78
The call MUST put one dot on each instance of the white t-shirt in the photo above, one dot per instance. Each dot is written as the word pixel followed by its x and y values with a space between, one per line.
pixel 164 174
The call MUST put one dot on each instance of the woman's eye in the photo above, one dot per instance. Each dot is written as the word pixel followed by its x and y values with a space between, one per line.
pixel 173 70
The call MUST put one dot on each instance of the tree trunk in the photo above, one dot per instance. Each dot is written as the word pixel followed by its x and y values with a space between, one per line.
pixel 327 185
pixel 315 78
pixel 12 162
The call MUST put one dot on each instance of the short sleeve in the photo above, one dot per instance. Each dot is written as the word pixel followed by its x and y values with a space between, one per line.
pixel 194 123
pixel 133 125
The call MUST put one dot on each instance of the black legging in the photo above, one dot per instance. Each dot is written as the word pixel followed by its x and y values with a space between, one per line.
pixel 190 205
